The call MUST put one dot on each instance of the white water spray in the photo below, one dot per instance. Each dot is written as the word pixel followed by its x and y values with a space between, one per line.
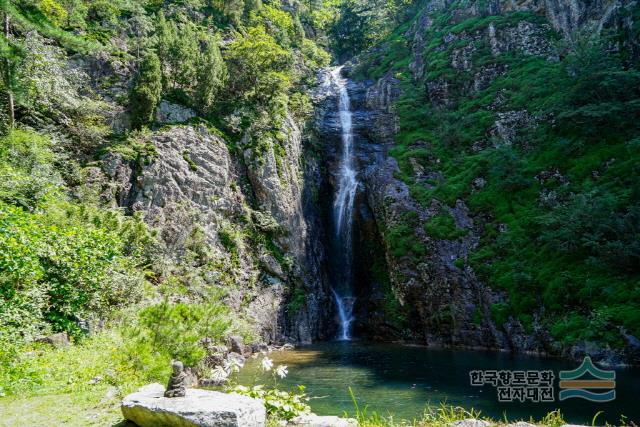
pixel 345 313
pixel 347 185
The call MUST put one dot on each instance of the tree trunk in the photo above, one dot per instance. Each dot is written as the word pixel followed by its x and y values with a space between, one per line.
pixel 7 76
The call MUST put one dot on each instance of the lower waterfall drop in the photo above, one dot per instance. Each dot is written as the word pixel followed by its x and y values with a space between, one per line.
pixel 347 185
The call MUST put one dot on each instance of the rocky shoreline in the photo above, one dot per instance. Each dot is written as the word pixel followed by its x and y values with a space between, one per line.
pixel 204 408
pixel 225 359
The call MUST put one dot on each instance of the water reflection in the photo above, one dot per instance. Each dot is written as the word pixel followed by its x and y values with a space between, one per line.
pixel 401 380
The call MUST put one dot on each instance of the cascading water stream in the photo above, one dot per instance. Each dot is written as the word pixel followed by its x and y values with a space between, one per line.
pixel 345 313
pixel 343 210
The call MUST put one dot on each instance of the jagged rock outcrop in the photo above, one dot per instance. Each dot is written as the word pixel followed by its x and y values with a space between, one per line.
pixel 189 179
pixel 281 186
pixel 379 99
pixel 173 113
pixel 187 187
pixel 189 184
pixel 444 300
pixel 571 15
pixel 564 16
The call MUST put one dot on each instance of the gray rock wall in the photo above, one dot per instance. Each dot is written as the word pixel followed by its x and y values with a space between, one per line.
pixel 444 300
pixel 193 183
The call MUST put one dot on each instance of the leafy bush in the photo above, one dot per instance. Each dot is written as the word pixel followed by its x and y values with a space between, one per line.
pixel 256 59
pixel 401 237
pixel 279 404
pixel 59 272
pixel 297 301
pixel 146 93
pixel 443 226
pixel 54 11
pixel 168 331
pixel 604 94
pixel 231 239
pixel 26 168
pixel 60 262
pixel 597 226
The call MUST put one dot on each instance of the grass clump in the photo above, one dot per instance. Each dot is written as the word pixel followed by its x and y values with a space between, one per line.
pixel 442 415
pixel 401 237
pixel 442 226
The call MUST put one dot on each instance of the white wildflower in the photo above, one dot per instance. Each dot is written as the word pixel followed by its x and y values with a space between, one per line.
pixel 234 365
pixel 267 364
pixel 219 373
pixel 282 371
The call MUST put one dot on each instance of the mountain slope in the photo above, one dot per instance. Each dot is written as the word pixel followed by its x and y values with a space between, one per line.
pixel 509 203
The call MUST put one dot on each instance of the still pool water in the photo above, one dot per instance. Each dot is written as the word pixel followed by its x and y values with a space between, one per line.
pixel 400 380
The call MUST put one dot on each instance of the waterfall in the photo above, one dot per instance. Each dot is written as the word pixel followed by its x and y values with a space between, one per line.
pixel 345 313
pixel 343 210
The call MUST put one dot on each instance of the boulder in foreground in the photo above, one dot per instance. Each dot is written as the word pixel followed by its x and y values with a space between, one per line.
pixel 312 420
pixel 202 408
pixel 470 422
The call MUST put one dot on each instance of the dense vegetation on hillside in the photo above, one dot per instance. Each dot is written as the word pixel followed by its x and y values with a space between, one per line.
pixel 559 202
pixel 67 261
pixel 555 202
pixel 242 65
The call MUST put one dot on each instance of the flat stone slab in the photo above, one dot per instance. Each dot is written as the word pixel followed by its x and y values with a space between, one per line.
pixel 312 420
pixel 199 408
pixel 470 422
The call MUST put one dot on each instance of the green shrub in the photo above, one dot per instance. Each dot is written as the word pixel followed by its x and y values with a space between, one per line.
pixel 442 226
pixel 27 170
pixel 187 158
pixel 402 239
pixel 168 331
pixel 231 239
pixel 281 405
pixel 58 272
pixel 297 301
pixel 500 313
pixel 147 91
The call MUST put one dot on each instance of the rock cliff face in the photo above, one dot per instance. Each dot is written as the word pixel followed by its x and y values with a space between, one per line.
pixel 228 217
pixel 441 299
pixel 243 214
pixel 569 16
pixel 439 302
pixel 282 188
pixel 252 222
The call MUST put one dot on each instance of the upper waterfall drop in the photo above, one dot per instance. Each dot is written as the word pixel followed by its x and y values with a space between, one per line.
pixel 346 187
pixel 347 183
